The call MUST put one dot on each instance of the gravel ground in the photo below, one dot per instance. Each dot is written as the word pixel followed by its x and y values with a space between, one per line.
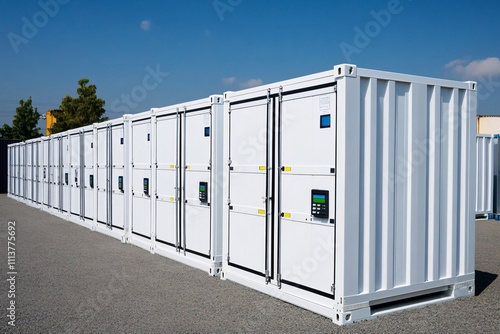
pixel 73 280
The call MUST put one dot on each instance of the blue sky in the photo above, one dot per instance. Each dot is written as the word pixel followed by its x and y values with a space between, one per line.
pixel 155 53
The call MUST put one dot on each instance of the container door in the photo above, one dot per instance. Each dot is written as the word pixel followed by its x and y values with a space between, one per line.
pixel 39 171
pixel 89 182
pixel 74 174
pixel 306 186
pixel 167 176
pixel 22 170
pixel 54 172
pixel 117 174
pixel 141 174
pixel 45 172
pixel 196 222
pixel 249 211
pixel 65 174
pixel 101 180
pixel 29 170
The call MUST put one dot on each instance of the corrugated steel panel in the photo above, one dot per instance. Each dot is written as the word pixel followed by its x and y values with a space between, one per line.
pixel 488 125
pixel 486 153
pixel 402 198
pixel 4 163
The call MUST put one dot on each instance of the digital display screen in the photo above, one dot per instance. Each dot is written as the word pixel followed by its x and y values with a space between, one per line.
pixel 203 188
pixel 319 199
pixel 145 182
pixel 207 132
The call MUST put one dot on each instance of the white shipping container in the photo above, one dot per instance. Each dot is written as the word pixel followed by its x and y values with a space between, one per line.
pixel 485 145
pixel 351 192
pixel 112 178
pixel 176 194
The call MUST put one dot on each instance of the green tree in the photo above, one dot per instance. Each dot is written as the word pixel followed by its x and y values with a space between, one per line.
pixel 24 124
pixel 83 110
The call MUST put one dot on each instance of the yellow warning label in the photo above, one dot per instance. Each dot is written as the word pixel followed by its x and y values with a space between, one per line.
pixel 172 166
pixel 262 167
pixel 262 211
pixel 287 214
pixel 288 169
pixel 172 199
pixel 187 167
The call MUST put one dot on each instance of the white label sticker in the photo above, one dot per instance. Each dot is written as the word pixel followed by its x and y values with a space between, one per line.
pixel 324 102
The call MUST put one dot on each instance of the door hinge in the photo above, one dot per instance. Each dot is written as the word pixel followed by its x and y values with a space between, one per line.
pixel 278 279
pixel 332 288
pixel 335 88
pixel 268 278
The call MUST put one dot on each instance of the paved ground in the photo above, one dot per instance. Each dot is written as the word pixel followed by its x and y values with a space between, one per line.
pixel 72 280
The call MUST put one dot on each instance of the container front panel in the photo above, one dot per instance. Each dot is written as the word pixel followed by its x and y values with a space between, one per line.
pixel 247 225
pixel 22 170
pixel 307 184
pixel 117 174
pixel 45 172
pixel 39 171
pixel 89 182
pixel 141 175
pixel 29 171
pixel 197 180
pixel 66 188
pixel 75 180
pixel 167 204
pixel 101 177
pixel 54 173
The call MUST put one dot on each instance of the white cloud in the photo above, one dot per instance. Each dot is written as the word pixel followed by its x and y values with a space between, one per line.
pixel 475 68
pixel 229 81
pixel 146 25
pixel 251 83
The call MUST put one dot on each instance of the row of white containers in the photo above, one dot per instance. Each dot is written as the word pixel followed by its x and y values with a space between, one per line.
pixel 348 192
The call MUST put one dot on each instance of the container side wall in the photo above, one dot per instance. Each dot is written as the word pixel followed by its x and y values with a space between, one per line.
pixel 406 187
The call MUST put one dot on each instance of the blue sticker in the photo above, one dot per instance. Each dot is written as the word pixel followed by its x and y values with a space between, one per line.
pixel 325 121
pixel 207 132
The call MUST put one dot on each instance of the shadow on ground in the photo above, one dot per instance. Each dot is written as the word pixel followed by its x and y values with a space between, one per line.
pixel 483 280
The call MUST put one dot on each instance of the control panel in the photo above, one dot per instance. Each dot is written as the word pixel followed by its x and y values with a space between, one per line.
pixel 91 181
pixel 145 184
pixel 66 178
pixel 319 203
pixel 120 183
pixel 203 192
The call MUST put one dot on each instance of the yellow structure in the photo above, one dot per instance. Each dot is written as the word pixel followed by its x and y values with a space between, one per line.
pixel 488 125
pixel 49 122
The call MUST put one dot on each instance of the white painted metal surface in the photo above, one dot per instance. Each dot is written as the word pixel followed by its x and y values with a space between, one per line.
pixel 394 154
pixel 348 192
pixel 485 148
